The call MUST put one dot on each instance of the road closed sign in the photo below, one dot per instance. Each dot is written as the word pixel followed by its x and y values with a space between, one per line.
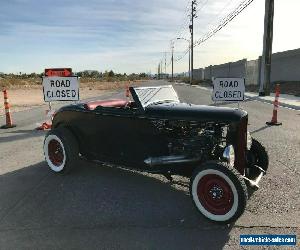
pixel 60 89
pixel 228 89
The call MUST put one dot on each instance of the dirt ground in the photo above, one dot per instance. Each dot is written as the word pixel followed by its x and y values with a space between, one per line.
pixel 30 96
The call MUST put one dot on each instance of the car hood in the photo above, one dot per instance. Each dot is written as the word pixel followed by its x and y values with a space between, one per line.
pixel 194 112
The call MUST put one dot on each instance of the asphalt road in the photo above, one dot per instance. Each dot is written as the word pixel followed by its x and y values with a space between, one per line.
pixel 98 207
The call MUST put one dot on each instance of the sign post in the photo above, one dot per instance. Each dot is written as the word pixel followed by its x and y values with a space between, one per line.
pixel 228 89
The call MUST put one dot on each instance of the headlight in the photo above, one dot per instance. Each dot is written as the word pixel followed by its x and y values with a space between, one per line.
pixel 228 154
pixel 249 140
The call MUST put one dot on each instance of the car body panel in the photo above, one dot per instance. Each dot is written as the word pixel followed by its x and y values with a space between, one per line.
pixel 129 136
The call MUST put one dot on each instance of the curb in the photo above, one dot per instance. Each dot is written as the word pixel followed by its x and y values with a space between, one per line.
pixel 281 104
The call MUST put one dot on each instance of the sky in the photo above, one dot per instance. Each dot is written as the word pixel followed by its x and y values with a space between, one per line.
pixel 132 36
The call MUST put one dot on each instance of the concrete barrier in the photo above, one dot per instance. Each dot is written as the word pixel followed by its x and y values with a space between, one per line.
pixel 285 67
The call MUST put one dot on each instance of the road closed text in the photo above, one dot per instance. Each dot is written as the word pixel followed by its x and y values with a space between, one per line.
pixel 236 94
pixel 228 89
pixel 61 93
pixel 60 83
pixel 61 89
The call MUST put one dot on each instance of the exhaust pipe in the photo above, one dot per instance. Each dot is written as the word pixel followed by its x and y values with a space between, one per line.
pixel 170 159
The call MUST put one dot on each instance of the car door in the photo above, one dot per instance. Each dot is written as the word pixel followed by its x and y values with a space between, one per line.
pixel 125 136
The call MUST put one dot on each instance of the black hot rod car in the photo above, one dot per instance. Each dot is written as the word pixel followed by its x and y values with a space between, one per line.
pixel 156 133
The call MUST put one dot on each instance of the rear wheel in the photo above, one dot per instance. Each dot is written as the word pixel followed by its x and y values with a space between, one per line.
pixel 218 192
pixel 60 150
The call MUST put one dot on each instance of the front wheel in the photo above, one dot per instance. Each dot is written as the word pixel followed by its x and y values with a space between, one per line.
pixel 60 150
pixel 257 155
pixel 218 192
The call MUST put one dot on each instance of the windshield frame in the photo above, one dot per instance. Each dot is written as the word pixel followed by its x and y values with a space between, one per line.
pixel 145 96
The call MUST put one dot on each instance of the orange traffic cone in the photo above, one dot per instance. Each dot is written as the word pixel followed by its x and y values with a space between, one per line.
pixel 9 123
pixel 48 123
pixel 127 93
pixel 44 126
pixel 275 108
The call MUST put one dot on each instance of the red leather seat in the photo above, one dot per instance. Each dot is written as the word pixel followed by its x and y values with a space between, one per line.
pixel 118 103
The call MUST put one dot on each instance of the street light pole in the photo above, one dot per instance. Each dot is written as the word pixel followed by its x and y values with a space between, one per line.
pixel 165 64
pixel 189 42
pixel 190 79
pixel 193 15
pixel 172 59
pixel 158 71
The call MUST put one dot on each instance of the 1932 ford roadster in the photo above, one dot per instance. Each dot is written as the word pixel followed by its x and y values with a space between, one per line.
pixel 158 134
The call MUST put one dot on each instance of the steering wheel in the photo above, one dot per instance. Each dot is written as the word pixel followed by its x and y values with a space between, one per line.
pixel 127 105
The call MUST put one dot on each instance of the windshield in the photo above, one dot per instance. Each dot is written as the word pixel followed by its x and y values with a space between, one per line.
pixel 157 94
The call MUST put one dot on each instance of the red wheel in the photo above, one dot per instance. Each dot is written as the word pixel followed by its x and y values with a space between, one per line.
pixel 218 191
pixel 215 194
pixel 60 150
pixel 56 152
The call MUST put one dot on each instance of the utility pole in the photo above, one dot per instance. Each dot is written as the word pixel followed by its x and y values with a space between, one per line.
pixel 165 64
pixel 172 59
pixel 158 71
pixel 193 15
pixel 190 79
pixel 265 68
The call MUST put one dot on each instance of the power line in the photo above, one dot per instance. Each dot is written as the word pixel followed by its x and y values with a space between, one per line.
pixel 185 21
pixel 182 27
pixel 192 15
pixel 182 56
pixel 219 14
pixel 225 21
pixel 201 7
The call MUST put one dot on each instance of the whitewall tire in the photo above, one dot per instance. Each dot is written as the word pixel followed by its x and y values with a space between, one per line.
pixel 60 150
pixel 218 192
pixel 54 152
